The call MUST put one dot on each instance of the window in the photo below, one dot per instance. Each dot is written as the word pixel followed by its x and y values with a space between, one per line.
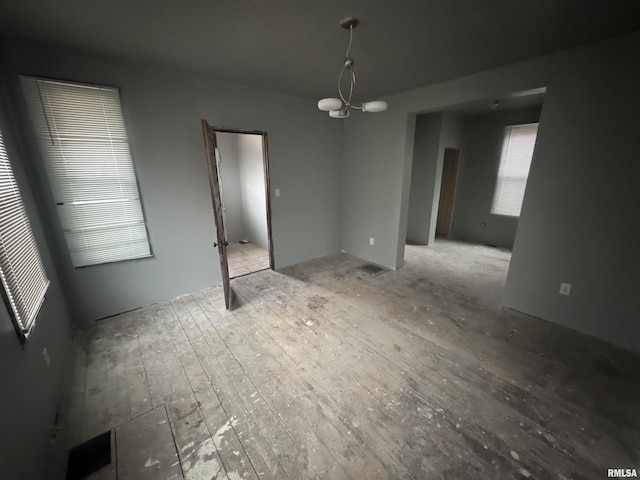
pixel 517 151
pixel 24 280
pixel 88 159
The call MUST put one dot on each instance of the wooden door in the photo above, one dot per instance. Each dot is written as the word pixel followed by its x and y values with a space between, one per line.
pixel 211 147
pixel 448 191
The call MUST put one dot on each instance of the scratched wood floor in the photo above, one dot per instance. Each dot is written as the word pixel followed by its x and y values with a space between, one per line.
pixel 325 371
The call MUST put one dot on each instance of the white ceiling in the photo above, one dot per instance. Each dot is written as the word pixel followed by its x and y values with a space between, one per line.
pixel 297 46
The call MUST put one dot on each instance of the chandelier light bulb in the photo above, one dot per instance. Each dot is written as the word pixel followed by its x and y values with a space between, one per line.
pixel 375 106
pixel 328 104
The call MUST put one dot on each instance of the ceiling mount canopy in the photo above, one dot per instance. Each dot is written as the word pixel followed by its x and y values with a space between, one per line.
pixel 341 107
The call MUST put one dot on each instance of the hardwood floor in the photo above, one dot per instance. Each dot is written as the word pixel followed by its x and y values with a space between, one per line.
pixel 324 371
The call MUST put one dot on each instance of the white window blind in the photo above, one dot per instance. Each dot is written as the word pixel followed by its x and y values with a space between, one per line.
pixel 84 142
pixel 24 280
pixel 515 161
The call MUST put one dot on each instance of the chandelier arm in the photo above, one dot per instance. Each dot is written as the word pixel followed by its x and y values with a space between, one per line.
pixel 352 85
pixel 340 86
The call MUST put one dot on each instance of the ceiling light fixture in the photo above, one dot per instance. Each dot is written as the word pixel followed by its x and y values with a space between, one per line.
pixel 340 107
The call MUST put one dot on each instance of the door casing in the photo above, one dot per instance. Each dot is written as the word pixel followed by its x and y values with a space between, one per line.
pixel 210 131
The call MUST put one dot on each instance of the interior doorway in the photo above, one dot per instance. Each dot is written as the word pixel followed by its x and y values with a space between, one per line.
pixel 470 169
pixel 450 166
pixel 468 181
pixel 238 164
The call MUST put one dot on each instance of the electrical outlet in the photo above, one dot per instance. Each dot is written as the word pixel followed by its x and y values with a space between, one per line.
pixel 565 289
pixel 371 241
pixel 47 358
pixel 277 192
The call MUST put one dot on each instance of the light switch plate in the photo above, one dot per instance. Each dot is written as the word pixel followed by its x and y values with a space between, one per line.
pixel 565 289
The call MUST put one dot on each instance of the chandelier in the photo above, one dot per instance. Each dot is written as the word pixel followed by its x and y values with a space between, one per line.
pixel 341 107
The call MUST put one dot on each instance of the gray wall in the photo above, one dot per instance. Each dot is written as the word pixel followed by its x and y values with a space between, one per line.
pixel 579 221
pixel 162 109
pixel 230 179
pixel 30 390
pixel 252 189
pixel 483 136
pixel 243 187
pixel 434 133
pixel 423 177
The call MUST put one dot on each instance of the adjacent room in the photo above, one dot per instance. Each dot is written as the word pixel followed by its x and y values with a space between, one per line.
pixel 468 180
pixel 221 257
pixel 244 199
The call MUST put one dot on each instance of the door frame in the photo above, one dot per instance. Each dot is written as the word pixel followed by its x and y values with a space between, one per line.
pixel 455 159
pixel 267 180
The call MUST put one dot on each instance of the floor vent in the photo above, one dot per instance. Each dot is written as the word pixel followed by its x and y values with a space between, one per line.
pixel 372 269
pixel 89 457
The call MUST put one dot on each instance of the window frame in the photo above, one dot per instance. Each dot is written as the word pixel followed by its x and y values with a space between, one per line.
pixel 493 210
pixel 12 295
pixel 51 181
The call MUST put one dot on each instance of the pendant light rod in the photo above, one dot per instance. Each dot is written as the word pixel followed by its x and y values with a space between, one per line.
pixel 348 65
